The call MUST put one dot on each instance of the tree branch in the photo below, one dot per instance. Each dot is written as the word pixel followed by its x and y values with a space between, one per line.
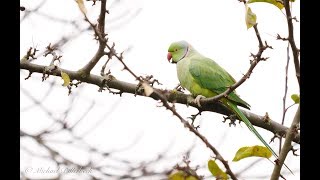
pixel 171 95
pixel 295 50
pixel 100 34
pixel 286 146
pixel 284 109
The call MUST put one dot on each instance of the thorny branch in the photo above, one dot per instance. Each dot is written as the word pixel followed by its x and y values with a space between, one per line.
pixel 284 108
pixel 256 59
pixel 171 95
pixel 295 50
pixel 292 132
pixel 99 32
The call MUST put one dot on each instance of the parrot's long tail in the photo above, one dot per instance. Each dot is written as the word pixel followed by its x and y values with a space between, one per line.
pixel 236 110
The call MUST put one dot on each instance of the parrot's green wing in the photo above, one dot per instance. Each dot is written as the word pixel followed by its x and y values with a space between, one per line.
pixel 209 75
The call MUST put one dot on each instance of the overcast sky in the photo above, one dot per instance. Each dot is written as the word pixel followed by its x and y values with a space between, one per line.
pixel 215 28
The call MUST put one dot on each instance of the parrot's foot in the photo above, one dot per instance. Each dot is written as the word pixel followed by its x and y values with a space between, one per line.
pixel 197 100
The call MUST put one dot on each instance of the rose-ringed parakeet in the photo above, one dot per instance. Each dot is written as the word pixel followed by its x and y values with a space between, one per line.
pixel 203 77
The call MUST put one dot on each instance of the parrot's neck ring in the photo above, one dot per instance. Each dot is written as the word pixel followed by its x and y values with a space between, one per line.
pixel 187 51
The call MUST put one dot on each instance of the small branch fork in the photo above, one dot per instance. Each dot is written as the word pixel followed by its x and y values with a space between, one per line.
pixel 256 59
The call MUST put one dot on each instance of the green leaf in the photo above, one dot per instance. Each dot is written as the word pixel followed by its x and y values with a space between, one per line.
pixel 295 98
pixel 259 151
pixel 251 18
pixel 277 3
pixel 180 175
pixel 216 171
pixel 66 79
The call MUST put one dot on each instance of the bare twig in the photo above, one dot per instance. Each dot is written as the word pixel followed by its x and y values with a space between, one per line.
pixel 292 132
pixel 197 133
pixel 99 31
pixel 256 59
pixel 295 50
pixel 285 94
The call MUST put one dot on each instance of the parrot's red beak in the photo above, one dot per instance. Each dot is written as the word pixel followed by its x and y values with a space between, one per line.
pixel 169 56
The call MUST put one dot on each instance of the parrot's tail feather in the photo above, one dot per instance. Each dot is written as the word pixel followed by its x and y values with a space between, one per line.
pixel 236 110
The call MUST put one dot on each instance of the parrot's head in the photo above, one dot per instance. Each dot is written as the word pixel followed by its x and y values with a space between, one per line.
pixel 177 51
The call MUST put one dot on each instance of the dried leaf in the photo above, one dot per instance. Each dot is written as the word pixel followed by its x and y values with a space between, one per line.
pixel 81 6
pixel 148 90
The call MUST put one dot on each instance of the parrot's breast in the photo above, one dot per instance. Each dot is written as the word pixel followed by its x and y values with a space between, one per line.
pixel 188 82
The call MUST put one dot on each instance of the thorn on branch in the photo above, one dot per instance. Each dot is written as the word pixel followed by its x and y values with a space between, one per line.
pixel 295 19
pixel 232 119
pixel 267 46
pixel 296 129
pixel 278 135
pixel 69 89
pixel 104 84
pixel 47 70
pixel 49 50
pixel 72 84
pixel 29 75
pixel 94 2
pixel 266 118
pixel 75 84
pixel 103 69
pixel 294 151
pixel 193 118
pixel 30 53
pixel 148 79
pixel 281 38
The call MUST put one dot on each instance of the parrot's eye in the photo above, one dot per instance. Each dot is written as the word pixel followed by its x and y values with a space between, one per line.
pixel 176 50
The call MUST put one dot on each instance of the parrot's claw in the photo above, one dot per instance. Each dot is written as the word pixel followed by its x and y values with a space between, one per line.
pixel 197 100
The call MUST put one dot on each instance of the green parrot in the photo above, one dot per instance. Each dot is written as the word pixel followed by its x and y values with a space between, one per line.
pixel 204 78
